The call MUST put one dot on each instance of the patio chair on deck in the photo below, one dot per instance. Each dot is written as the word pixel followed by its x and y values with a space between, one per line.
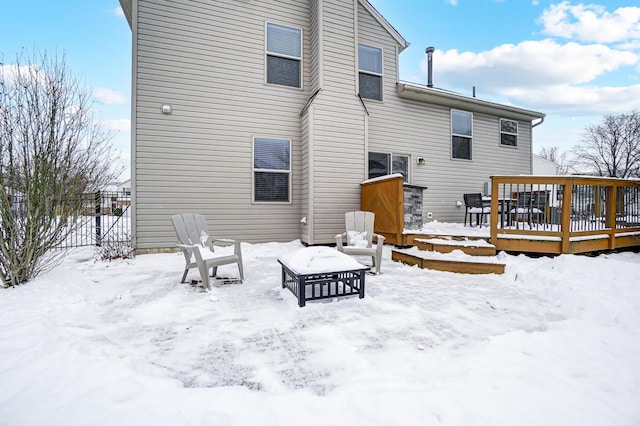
pixel 531 207
pixel 359 236
pixel 198 247
pixel 473 205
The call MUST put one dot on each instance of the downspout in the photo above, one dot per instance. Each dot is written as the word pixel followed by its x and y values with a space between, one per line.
pixel 532 126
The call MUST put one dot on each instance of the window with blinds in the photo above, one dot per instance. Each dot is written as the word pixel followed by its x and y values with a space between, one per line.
pixel 508 132
pixel 271 170
pixel 284 55
pixel 461 134
pixel 370 72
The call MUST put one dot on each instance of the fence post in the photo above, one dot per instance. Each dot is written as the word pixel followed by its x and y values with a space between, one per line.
pixel 98 201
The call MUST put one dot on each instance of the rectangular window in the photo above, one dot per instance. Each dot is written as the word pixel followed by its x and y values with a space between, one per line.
pixel 381 164
pixel 461 134
pixel 271 170
pixel 508 132
pixel 370 72
pixel 284 55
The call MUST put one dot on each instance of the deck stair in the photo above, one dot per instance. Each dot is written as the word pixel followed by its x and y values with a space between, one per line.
pixel 451 255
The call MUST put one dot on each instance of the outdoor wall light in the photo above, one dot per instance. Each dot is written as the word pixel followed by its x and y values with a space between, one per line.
pixel 166 109
pixel 420 161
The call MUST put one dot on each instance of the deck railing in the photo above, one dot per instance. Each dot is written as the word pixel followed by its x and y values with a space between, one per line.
pixel 564 214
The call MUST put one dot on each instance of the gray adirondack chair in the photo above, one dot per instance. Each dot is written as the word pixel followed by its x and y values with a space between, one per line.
pixel 359 237
pixel 198 247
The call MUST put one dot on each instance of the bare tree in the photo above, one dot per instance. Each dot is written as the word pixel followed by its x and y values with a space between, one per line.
pixel 558 158
pixel 51 151
pixel 611 148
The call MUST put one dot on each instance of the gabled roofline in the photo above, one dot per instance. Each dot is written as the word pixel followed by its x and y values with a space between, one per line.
pixel 126 8
pixel 385 24
pixel 423 93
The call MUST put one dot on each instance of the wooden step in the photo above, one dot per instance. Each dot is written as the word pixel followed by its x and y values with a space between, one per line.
pixel 441 245
pixel 462 263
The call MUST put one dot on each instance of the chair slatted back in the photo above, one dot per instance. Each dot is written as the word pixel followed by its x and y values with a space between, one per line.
pixel 360 221
pixel 473 200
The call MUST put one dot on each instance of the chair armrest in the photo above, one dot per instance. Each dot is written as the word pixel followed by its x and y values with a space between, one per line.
pixel 380 238
pixel 227 242
pixel 339 241
pixel 224 241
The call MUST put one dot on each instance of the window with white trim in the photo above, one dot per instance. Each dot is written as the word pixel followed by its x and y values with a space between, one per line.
pixel 370 72
pixel 271 170
pixel 382 163
pixel 284 55
pixel 461 134
pixel 508 132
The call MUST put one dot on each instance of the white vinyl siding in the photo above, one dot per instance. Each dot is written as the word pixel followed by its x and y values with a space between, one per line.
pixel 508 132
pixel 284 55
pixel 370 75
pixel 207 60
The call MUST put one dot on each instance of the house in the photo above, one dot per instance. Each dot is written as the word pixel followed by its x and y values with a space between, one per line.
pixel 544 167
pixel 267 115
pixel 124 188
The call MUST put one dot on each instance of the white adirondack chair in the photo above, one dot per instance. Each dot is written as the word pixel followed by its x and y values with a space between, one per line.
pixel 359 236
pixel 198 247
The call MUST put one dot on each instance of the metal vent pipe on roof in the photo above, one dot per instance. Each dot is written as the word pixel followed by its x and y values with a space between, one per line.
pixel 429 51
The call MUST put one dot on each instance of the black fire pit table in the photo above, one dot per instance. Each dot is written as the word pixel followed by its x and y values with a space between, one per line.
pixel 322 272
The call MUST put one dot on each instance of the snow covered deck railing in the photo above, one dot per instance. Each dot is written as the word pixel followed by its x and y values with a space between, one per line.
pixel 564 214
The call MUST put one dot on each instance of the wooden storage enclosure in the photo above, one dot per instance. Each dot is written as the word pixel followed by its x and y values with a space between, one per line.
pixel 397 206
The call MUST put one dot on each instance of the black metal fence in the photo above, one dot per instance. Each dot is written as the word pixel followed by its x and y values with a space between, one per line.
pixel 105 217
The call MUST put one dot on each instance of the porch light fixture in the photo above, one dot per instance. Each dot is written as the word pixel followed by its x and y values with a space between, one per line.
pixel 420 161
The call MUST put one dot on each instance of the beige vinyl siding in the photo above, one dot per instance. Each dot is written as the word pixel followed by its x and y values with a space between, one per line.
pixel 207 60
pixel 338 127
pixel 314 45
pixel 305 168
pixel 405 126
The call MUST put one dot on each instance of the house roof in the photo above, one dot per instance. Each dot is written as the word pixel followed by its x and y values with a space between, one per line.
pixel 447 98
pixel 385 24
pixel 126 8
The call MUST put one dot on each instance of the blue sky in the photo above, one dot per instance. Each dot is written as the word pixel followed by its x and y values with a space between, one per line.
pixel 573 61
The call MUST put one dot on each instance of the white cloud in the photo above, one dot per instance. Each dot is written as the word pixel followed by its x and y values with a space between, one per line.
pixel 591 23
pixel 118 11
pixel 453 2
pixel 542 75
pixel 118 125
pixel 108 97
pixel 535 3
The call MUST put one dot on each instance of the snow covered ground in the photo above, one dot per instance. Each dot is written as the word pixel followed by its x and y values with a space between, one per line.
pixel 553 341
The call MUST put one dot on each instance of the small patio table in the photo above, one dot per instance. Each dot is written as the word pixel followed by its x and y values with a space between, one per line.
pixel 314 273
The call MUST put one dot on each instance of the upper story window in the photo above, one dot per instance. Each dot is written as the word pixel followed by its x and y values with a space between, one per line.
pixel 271 170
pixel 370 72
pixel 508 132
pixel 381 164
pixel 284 55
pixel 461 134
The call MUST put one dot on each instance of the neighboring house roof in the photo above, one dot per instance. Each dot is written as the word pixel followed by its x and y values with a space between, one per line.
pixel 385 24
pixel 434 95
